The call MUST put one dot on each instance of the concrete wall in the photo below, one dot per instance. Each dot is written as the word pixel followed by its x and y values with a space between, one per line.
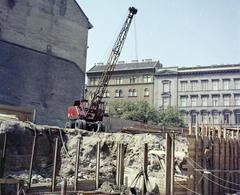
pixel 37 24
pixel 39 81
pixel 43 56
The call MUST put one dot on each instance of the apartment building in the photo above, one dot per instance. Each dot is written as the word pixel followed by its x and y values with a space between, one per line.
pixel 129 81
pixel 201 92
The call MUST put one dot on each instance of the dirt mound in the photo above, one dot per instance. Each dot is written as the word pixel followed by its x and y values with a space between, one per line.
pixel 20 134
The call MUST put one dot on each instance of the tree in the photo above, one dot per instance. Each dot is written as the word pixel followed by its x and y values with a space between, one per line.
pixel 141 111
pixel 170 117
pixel 134 110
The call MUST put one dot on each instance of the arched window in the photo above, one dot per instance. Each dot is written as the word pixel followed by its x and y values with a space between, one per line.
pixel 130 93
pixel 120 93
pixel 134 92
pixel 106 94
pixel 146 92
pixel 116 93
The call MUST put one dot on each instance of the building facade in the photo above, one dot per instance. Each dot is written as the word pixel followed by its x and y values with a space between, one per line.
pixel 43 47
pixel 201 93
pixel 129 81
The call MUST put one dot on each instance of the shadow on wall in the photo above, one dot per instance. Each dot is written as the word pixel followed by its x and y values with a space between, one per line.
pixel 40 82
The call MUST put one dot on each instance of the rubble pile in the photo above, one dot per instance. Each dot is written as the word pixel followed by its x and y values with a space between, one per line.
pixel 23 132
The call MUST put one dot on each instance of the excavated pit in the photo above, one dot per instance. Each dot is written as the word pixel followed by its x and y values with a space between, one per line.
pixel 19 148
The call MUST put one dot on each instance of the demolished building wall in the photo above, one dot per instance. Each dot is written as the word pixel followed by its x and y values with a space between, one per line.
pixel 43 46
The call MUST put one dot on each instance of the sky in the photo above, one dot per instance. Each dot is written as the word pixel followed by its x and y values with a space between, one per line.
pixel 183 33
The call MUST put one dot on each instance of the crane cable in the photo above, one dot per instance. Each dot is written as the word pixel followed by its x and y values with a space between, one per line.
pixel 104 58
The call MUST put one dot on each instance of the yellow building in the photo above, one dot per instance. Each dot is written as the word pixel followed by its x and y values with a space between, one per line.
pixel 131 81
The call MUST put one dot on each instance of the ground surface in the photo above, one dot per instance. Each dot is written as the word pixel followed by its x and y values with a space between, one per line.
pixel 133 157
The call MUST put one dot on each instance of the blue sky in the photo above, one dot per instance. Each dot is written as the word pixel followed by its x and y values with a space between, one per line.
pixel 175 32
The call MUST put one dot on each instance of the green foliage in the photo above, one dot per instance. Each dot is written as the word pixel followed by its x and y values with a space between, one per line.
pixel 170 117
pixel 141 111
pixel 134 110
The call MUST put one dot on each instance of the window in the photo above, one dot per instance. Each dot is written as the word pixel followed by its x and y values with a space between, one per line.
pixel 214 84
pixel 93 82
pixel 132 79
pixel 204 100
pixel 194 101
pixel 106 108
pixel 237 118
pixel 193 118
pixel 183 101
pixel 183 85
pixel 225 84
pixel 119 80
pixel 237 83
pixel 146 92
pixel 134 93
pixel 130 93
pixel 215 100
pixel 226 100
pixel 204 85
pixel 237 100
pixel 165 101
pixel 120 93
pixel 116 93
pixel 205 119
pixel 215 118
pixel 226 118
pixel 106 94
pixel 184 117
pixel 146 78
pixel 194 85
pixel 165 87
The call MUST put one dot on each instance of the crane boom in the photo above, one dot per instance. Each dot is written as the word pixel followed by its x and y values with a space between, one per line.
pixel 86 115
pixel 113 58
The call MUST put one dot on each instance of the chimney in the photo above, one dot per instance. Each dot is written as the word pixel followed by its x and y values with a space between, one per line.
pixel 148 60
pixel 120 62
pixel 134 61
pixel 99 64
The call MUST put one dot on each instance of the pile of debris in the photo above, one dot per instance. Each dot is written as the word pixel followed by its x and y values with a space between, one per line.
pixel 20 138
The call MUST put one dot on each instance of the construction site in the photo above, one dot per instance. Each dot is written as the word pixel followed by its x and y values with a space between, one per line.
pixel 138 159
pixel 93 153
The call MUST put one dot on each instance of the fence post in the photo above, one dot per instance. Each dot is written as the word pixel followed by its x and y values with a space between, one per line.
pixel 54 165
pixel 97 165
pixel 76 166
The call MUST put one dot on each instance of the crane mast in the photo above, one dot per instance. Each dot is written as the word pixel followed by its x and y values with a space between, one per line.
pixel 113 58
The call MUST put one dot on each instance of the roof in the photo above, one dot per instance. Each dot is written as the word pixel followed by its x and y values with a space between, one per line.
pixel 166 73
pixel 127 66
pixel 198 70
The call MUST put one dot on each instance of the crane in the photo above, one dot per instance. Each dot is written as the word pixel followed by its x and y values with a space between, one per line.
pixel 88 115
